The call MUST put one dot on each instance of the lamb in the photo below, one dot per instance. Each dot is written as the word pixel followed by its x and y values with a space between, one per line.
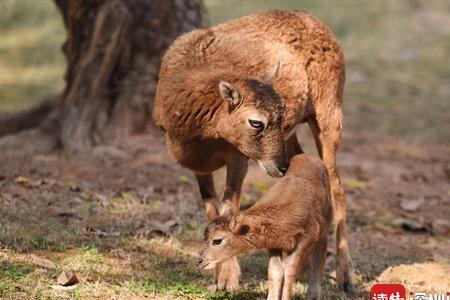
pixel 291 221
pixel 236 91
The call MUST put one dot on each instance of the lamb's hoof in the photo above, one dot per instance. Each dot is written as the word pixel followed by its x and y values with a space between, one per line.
pixel 228 275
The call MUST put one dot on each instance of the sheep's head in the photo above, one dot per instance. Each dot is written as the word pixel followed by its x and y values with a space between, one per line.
pixel 224 238
pixel 219 243
pixel 254 121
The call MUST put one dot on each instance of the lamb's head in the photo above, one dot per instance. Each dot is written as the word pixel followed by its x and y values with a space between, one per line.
pixel 254 122
pixel 219 243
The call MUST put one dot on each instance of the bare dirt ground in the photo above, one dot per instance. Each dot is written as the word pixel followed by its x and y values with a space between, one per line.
pixel 129 222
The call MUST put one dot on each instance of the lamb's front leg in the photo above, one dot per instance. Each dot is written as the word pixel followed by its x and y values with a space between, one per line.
pixel 228 273
pixel 276 275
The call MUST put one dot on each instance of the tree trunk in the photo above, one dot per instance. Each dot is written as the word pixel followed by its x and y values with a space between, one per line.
pixel 113 53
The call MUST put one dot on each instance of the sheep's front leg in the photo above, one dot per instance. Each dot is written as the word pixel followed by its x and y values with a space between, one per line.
pixel 237 165
pixel 276 275
pixel 208 193
pixel 228 273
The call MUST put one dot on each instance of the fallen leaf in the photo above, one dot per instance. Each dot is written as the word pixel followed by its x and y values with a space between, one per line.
pixel 64 288
pixel 109 152
pixel 120 253
pixel 413 226
pixel 158 228
pixel 42 262
pixel 27 181
pixel 412 205
pixel 20 287
pixel 67 278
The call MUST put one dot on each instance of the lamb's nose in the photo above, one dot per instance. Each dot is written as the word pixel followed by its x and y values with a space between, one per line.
pixel 199 262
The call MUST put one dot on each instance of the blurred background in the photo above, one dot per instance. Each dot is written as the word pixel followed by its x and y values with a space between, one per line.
pixel 398 75
pixel 129 221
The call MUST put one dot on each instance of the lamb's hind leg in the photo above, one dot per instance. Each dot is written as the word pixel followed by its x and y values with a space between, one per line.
pixel 292 264
pixel 316 267
pixel 327 134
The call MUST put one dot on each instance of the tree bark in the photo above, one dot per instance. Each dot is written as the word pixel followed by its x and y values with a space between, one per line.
pixel 113 53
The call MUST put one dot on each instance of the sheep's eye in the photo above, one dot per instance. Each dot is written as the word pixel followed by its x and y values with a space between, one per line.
pixel 256 124
pixel 217 242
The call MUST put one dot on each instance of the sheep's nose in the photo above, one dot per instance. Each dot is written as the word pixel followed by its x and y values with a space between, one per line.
pixel 199 262
pixel 283 169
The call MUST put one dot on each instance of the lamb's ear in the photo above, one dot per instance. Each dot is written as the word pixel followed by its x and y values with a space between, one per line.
pixel 229 93
pixel 237 225
pixel 268 77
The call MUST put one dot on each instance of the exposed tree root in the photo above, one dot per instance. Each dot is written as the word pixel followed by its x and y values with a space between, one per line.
pixel 14 122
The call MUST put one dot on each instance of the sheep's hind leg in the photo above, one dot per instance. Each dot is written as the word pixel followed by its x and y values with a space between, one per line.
pixel 327 136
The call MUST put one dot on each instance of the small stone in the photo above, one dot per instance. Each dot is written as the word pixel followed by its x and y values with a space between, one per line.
pixel 67 278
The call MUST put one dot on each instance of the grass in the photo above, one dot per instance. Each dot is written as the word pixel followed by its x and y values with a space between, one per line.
pixel 104 276
pixel 31 61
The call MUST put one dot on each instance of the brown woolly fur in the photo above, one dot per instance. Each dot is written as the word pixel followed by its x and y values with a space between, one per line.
pixel 292 218
pixel 237 91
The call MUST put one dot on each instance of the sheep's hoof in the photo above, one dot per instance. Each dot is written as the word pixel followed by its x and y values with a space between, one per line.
pixel 228 274
pixel 347 287
pixel 212 288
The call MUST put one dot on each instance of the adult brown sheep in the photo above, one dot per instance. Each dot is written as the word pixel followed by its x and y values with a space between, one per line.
pixel 236 91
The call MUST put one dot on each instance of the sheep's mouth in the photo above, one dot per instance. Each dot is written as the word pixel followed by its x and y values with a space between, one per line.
pixel 207 265
pixel 270 168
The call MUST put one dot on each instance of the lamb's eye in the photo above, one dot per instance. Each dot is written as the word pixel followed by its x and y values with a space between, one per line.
pixel 216 242
pixel 256 124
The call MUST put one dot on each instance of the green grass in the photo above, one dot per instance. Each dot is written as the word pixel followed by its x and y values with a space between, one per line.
pixel 31 61
pixel 17 278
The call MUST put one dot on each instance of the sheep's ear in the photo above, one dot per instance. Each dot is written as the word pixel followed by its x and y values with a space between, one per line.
pixel 229 93
pixel 237 225
pixel 268 77
pixel 244 229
